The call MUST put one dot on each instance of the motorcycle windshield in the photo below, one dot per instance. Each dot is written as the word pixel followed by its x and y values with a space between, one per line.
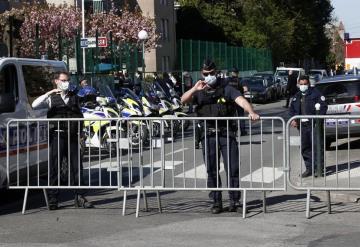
pixel 162 87
pixel 150 94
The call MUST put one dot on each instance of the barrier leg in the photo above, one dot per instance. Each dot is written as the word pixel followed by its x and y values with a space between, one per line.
pixel 328 201
pixel 25 200
pixel 244 204
pixel 46 199
pixel 138 203
pixel 308 204
pixel 264 202
pixel 124 203
pixel 145 200
pixel 159 201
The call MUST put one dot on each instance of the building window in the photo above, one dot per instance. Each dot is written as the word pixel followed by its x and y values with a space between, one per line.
pixel 164 2
pixel 165 29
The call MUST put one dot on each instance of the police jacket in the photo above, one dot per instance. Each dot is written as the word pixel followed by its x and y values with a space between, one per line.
pixel 60 109
pixel 217 102
pixel 304 104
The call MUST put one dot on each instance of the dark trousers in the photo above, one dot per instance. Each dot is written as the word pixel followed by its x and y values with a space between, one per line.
pixel 309 146
pixel 61 166
pixel 209 154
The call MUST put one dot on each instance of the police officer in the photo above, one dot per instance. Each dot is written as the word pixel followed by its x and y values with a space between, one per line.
pixel 291 88
pixel 216 99
pixel 303 103
pixel 63 104
pixel 234 81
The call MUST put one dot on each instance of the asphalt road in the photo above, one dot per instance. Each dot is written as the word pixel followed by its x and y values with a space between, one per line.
pixel 185 220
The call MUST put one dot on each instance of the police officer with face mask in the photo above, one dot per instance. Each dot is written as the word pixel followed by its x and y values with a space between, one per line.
pixel 214 98
pixel 303 103
pixel 64 137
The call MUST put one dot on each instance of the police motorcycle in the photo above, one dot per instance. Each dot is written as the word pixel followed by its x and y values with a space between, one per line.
pixel 129 106
pixel 150 103
pixel 97 134
pixel 170 104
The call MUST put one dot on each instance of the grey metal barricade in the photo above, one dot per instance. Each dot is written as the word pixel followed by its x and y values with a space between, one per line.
pixel 60 153
pixel 176 165
pixel 146 154
pixel 321 145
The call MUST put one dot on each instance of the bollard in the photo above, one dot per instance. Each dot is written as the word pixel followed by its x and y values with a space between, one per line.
pixel 318 142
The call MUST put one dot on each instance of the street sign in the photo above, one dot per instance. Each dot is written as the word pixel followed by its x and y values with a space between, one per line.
pixel 91 42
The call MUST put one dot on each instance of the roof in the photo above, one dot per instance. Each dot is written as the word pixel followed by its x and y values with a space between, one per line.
pixel 57 62
pixel 339 78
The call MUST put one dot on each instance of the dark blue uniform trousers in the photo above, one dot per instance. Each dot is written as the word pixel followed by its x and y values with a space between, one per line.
pixel 309 146
pixel 231 162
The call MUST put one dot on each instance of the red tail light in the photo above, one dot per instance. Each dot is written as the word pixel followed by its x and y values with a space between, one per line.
pixel 356 98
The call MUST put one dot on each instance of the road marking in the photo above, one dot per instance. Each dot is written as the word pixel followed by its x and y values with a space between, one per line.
pixel 201 172
pixel 295 140
pixel 266 174
pixel 270 174
pixel 177 151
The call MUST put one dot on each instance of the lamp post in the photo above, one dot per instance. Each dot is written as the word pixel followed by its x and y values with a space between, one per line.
pixel 83 33
pixel 143 36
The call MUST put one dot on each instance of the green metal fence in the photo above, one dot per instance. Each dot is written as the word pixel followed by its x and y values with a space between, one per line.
pixel 191 54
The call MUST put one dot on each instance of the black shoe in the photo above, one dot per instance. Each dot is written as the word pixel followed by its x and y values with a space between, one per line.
pixel 53 206
pixel 216 208
pixel 306 174
pixel 233 207
pixel 81 202
pixel 197 145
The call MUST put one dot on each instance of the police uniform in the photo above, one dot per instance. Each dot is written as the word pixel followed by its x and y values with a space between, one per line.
pixel 235 82
pixel 59 141
pixel 219 102
pixel 304 104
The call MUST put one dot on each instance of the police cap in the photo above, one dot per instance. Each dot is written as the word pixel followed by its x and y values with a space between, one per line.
pixel 208 65
pixel 234 70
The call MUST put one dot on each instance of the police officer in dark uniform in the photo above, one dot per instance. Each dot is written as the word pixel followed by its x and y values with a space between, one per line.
pixel 303 103
pixel 214 98
pixel 63 103
pixel 234 81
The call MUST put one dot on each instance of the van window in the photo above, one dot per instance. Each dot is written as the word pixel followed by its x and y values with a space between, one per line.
pixel 38 80
pixel 9 82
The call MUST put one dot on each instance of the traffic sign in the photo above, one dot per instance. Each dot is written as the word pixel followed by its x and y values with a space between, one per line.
pixel 90 42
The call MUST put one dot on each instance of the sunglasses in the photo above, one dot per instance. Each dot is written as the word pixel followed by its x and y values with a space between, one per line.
pixel 208 73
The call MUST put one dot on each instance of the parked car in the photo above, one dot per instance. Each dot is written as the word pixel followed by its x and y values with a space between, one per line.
pixel 319 73
pixel 258 90
pixel 342 94
pixel 274 85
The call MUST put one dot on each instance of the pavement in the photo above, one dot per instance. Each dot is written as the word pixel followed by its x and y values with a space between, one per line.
pixel 185 219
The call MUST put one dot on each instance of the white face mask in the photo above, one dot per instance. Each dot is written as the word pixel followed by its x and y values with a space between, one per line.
pixel 63 86
pixel 303 88
pixel 210 80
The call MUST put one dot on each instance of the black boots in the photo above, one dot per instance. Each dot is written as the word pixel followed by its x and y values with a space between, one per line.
pixel 81 202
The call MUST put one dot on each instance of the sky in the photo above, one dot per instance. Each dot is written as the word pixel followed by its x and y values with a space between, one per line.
pixel 348 11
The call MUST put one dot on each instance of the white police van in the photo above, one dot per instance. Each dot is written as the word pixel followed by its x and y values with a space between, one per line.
pixel 21 81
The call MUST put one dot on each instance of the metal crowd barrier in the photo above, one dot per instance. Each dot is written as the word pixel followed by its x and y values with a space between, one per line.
pixel 326 142
pixel 144 154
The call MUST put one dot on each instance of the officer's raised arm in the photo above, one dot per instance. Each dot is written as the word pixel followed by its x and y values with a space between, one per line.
pixel 188 95
pixel 43 99
pixel 241 101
